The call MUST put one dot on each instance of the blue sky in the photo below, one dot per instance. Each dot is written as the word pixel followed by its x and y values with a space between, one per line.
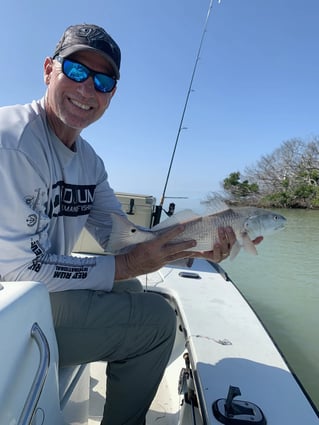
pixel 256 83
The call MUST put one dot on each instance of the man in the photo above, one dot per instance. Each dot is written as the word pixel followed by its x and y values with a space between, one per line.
pixel 53 185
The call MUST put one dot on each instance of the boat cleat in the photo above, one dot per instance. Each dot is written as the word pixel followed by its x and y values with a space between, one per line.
pixel 237 412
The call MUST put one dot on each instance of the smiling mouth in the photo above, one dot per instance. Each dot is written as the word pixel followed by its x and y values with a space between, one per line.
pixel 80 105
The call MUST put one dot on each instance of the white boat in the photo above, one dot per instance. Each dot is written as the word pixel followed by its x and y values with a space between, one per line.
pixel 224 367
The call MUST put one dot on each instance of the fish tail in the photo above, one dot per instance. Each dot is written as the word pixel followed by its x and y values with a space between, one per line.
pixel 124 234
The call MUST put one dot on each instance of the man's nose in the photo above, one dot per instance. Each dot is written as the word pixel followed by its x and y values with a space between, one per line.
pixel 87 86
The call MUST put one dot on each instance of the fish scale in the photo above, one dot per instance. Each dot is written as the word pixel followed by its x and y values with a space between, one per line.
pixel 206 229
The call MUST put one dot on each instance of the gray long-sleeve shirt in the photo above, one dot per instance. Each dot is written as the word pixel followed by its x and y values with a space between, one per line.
pixel 48 194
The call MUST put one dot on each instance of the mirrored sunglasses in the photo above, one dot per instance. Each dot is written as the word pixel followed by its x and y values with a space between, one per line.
pixel 75 71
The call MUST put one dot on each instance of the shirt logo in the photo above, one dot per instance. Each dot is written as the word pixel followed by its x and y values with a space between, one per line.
pixel 31 220
pixel 70 200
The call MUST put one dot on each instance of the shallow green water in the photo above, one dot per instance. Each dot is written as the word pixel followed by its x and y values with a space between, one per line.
pixel 282 285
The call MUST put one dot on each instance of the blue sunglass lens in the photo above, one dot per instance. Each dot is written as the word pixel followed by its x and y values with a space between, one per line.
pixel 104 83
pixel 75 71
pixel 79 73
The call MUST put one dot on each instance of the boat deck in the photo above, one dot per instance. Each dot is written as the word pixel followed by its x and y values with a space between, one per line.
pixel 227 346
pixel 97 392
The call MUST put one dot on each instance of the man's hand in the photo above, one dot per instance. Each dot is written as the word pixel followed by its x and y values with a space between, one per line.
pixel 152 255
pixel 221 249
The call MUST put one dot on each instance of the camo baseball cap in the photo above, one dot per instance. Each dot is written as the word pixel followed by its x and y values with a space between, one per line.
pixel 90 37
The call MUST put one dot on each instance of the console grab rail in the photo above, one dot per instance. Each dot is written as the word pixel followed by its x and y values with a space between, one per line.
pixel 40 377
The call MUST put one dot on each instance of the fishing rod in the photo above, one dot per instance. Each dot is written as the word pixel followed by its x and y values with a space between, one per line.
pixel 158 211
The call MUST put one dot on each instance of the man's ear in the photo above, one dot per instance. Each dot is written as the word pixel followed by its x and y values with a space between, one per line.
pixel 47 68
pixel 114 90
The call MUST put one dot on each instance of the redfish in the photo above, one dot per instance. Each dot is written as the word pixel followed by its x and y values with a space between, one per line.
pixel 246 222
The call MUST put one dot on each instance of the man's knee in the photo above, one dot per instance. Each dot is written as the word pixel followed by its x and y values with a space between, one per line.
pixel 162 310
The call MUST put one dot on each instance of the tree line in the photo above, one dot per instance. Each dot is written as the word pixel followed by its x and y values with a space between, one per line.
pixel 286 178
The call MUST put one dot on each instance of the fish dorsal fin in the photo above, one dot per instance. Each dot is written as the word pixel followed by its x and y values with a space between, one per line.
pixel 218 206
pixel 178 218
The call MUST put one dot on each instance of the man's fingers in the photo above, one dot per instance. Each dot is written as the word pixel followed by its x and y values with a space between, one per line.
pixel 227 238
pixel 179 247
pixel 165 240
pixel 171 233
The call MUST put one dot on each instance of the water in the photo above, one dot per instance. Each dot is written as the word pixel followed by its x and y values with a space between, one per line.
pixel 282 285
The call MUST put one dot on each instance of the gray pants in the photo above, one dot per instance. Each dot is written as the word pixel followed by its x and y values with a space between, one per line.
pixel 132 330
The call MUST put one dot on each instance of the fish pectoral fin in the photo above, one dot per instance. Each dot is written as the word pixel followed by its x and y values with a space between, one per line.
pixel 248 244
pixel 234 251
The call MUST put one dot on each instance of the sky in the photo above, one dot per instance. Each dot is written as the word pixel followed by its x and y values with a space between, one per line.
pixel 256 84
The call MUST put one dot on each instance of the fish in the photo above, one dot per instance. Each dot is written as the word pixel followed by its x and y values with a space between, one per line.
pixel 246 222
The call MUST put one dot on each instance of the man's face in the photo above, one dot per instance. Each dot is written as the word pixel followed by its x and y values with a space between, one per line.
pixel 72 106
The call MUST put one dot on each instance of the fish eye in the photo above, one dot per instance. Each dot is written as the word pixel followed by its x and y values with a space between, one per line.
pixel 275 217
pixel 133 230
